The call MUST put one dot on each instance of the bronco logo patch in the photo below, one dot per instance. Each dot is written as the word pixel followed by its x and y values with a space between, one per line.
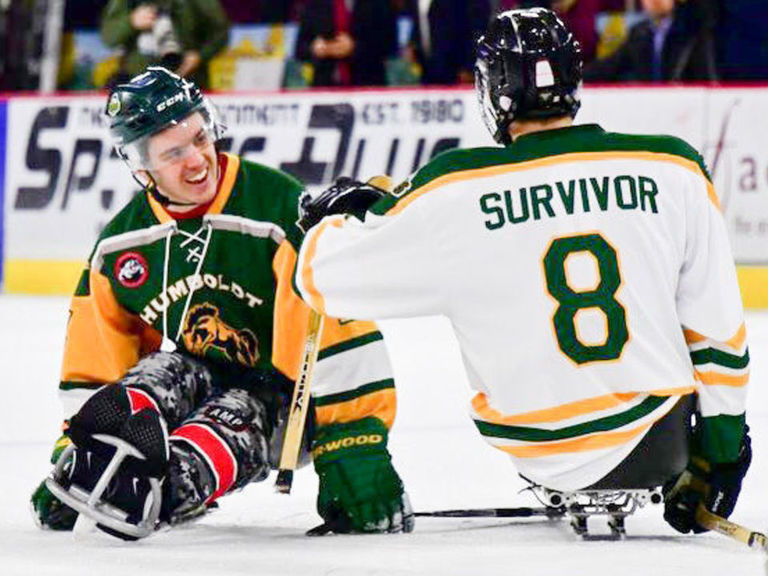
pixel 205 331
pixel 131 270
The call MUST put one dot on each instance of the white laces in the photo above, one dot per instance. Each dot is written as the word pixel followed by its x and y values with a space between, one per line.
pixel 169 345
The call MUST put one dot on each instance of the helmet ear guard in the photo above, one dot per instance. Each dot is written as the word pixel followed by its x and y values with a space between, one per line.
pixel 528 67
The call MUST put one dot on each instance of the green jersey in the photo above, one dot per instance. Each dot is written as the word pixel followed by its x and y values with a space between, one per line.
pixel 216 283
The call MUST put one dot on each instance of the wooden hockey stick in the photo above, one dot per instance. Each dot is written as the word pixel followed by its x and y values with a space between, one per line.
pixel 710 521
pixel 297 416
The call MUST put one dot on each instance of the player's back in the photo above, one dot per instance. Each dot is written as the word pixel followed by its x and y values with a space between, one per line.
pixel 565 266
pixel 569 264
pixel 558 261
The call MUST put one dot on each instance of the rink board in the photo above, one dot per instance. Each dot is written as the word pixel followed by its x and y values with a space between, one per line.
pixel 63 182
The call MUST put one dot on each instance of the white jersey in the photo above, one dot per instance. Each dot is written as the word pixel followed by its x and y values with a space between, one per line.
pixel 588 277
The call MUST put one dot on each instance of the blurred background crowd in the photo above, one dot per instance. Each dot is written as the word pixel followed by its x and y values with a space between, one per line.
pixel 48 45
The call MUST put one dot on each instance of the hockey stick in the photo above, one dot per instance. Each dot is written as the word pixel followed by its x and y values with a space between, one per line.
pixel 297 417
pixel 710 521
pixel 520 512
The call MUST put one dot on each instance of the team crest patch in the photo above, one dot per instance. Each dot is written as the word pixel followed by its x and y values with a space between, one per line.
pixel 131 270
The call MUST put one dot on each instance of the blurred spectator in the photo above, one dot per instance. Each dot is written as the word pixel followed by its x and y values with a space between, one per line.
pixel 579 15
pixel 82 14
pixel 182 35
pixel 675 43
pixel 347 41
pixel 444 37
pixel 14 46
pixel 78 15
pixel 259 11
pixel 742 39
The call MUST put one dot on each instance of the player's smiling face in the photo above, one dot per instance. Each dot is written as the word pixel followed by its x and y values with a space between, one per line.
pixel 184 164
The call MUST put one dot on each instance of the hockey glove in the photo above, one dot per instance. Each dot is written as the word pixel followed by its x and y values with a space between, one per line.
pixel 103 429
pixel 360 490
pixel 717 486
pixel 47 510
pixel 345 196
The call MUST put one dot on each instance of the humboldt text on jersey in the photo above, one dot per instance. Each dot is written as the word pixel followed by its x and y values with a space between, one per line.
pixel 193 282
pixel 584 194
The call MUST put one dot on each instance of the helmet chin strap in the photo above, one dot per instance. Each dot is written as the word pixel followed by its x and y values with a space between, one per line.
pixel 151 187
pixel 164 200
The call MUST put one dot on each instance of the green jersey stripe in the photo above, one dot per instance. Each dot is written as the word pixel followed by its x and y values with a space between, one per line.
pixel 349 345
pixel 84 284
pixel 605 424
pixel 356 393
pixel 714 356
pixel 71 385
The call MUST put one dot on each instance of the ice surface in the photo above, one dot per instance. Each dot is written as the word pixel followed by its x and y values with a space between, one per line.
pixel 440 456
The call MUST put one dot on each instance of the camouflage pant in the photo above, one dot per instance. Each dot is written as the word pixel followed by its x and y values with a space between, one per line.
pixel 225 427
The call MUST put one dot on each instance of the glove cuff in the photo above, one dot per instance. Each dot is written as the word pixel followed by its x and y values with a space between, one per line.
pixel 336 441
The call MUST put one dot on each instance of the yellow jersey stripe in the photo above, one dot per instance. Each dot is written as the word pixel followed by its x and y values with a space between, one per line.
pixel 718 379
pixel 587 443
pixel 338 331
pixel 736 341
pixel 316 299
pixel 382 404
pixel 566 411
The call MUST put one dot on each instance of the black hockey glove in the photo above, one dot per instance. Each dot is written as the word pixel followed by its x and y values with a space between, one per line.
pixel 103 427
pixel 345 196
pixel 360 490
pixel 717 486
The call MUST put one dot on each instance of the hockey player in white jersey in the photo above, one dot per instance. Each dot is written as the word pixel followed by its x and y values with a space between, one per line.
pixel 587 275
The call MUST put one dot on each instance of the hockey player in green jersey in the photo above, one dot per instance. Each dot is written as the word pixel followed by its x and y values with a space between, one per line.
pixel 185 337
pixel 587 274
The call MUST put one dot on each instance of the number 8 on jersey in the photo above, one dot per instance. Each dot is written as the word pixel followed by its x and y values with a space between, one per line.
pixel 603 297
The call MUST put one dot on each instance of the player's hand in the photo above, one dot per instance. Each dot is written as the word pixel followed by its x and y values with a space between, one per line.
pixel 109 412
pixel 50 512
pixel 716 485
pixel 345 196
pixel 360 491
pixel 103 428
pixel 47 510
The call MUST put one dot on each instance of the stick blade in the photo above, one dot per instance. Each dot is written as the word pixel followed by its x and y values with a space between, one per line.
pixel 321 530
pixel 284 481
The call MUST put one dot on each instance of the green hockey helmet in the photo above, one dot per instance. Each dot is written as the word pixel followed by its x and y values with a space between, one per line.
pixel 152 102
